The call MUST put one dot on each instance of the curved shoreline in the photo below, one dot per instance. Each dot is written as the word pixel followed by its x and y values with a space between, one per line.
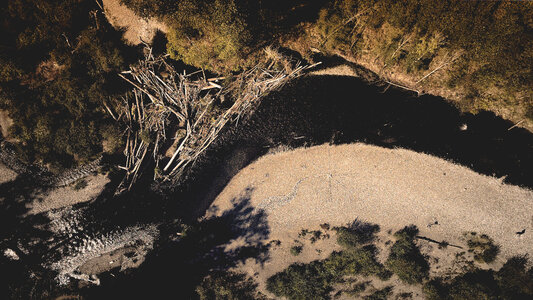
pixel 389 187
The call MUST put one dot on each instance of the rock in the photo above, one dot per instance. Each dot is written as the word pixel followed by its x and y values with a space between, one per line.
pixel 9 253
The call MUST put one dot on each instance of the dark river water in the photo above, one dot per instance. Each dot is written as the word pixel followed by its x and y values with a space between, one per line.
pixel 309 111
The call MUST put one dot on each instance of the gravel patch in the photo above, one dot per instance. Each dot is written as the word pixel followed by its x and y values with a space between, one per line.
pixel 68 195
pixel 306 187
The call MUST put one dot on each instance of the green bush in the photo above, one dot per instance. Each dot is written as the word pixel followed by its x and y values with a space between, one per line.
pixel 315 280
pixel 434 290
pixel 58 76
pixel 478 284
pixel 212 36
pixel 494 38
pixel 302 281
pixel 296 250
pixel 515 280
pixel 405 259
pixel 483 247
pixel 229 286
pixel 356 290
pixel 382 294
pixel 356 234
pixel 512 281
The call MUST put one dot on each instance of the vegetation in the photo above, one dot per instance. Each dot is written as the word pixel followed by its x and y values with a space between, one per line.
pixel 314 235
pixel 213 35
pixel 224 35
pixel 80 185
pixel 229 286
pixel 483 247
pixel 296 250
pixel 54 80
pixel 478 49
pixel 512 281
pixel 382 294
pixel 356 234
pixel 356 289
pixel 405 259
pixel 58 63
pixel 315 280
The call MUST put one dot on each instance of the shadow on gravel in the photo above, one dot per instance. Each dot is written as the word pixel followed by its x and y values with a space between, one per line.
pixel 178 267
pixel 17 230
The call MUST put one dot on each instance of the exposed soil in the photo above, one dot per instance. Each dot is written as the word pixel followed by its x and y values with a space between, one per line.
pixel 137 29
pixel 6 174
pixel 5 123
pixel 68 195
pixel 304 188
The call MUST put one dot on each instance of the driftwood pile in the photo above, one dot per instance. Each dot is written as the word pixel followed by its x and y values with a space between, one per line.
pixel 179 114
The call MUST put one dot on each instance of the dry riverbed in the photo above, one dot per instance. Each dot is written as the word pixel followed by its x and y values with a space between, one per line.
pixel 304 188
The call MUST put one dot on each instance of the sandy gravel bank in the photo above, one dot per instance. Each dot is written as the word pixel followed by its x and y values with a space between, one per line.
pixel 306 187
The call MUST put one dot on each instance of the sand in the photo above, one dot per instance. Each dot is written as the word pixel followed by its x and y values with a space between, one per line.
pixel 68 195
pixel 6 174
pixel 306 187
pixel 137 29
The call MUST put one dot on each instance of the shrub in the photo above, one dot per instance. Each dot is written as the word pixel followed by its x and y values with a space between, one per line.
pixel 58 77
pixel 227 285
pixel 355 234
pixel 405 259
pixel 434 290
pixel 478 284
pixel 302 281
pixel 382 294
pixel 315 280
pixel 414 36
pixel 356 289
pixel 483 247
pixel 80 184
pixel 296 250
pixel 210 35
pixel 514 280
pixel 358 261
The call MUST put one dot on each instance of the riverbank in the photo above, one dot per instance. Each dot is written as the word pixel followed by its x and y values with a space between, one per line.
pixel 304 188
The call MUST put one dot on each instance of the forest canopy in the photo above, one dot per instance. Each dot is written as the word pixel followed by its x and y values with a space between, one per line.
pixel 59 59
pixel 483 49
pixel 59 63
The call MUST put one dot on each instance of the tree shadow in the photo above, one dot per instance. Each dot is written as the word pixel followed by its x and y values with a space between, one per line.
pixel 339 109
pixel 314 110
pixel 214 244
pixel 25 275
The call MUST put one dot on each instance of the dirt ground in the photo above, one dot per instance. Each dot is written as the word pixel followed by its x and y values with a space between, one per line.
pixel 6 174
pixel 5 123
pixel 68 195
pixel 304 188
pixel 137 29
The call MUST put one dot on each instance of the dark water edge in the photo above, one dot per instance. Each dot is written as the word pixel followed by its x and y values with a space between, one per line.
pixel 310 111
pixel 339 109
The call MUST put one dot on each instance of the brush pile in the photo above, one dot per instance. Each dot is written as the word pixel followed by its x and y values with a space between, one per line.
pixel 180 115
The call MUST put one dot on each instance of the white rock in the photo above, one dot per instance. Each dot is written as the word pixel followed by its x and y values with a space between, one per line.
pixel 9 253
